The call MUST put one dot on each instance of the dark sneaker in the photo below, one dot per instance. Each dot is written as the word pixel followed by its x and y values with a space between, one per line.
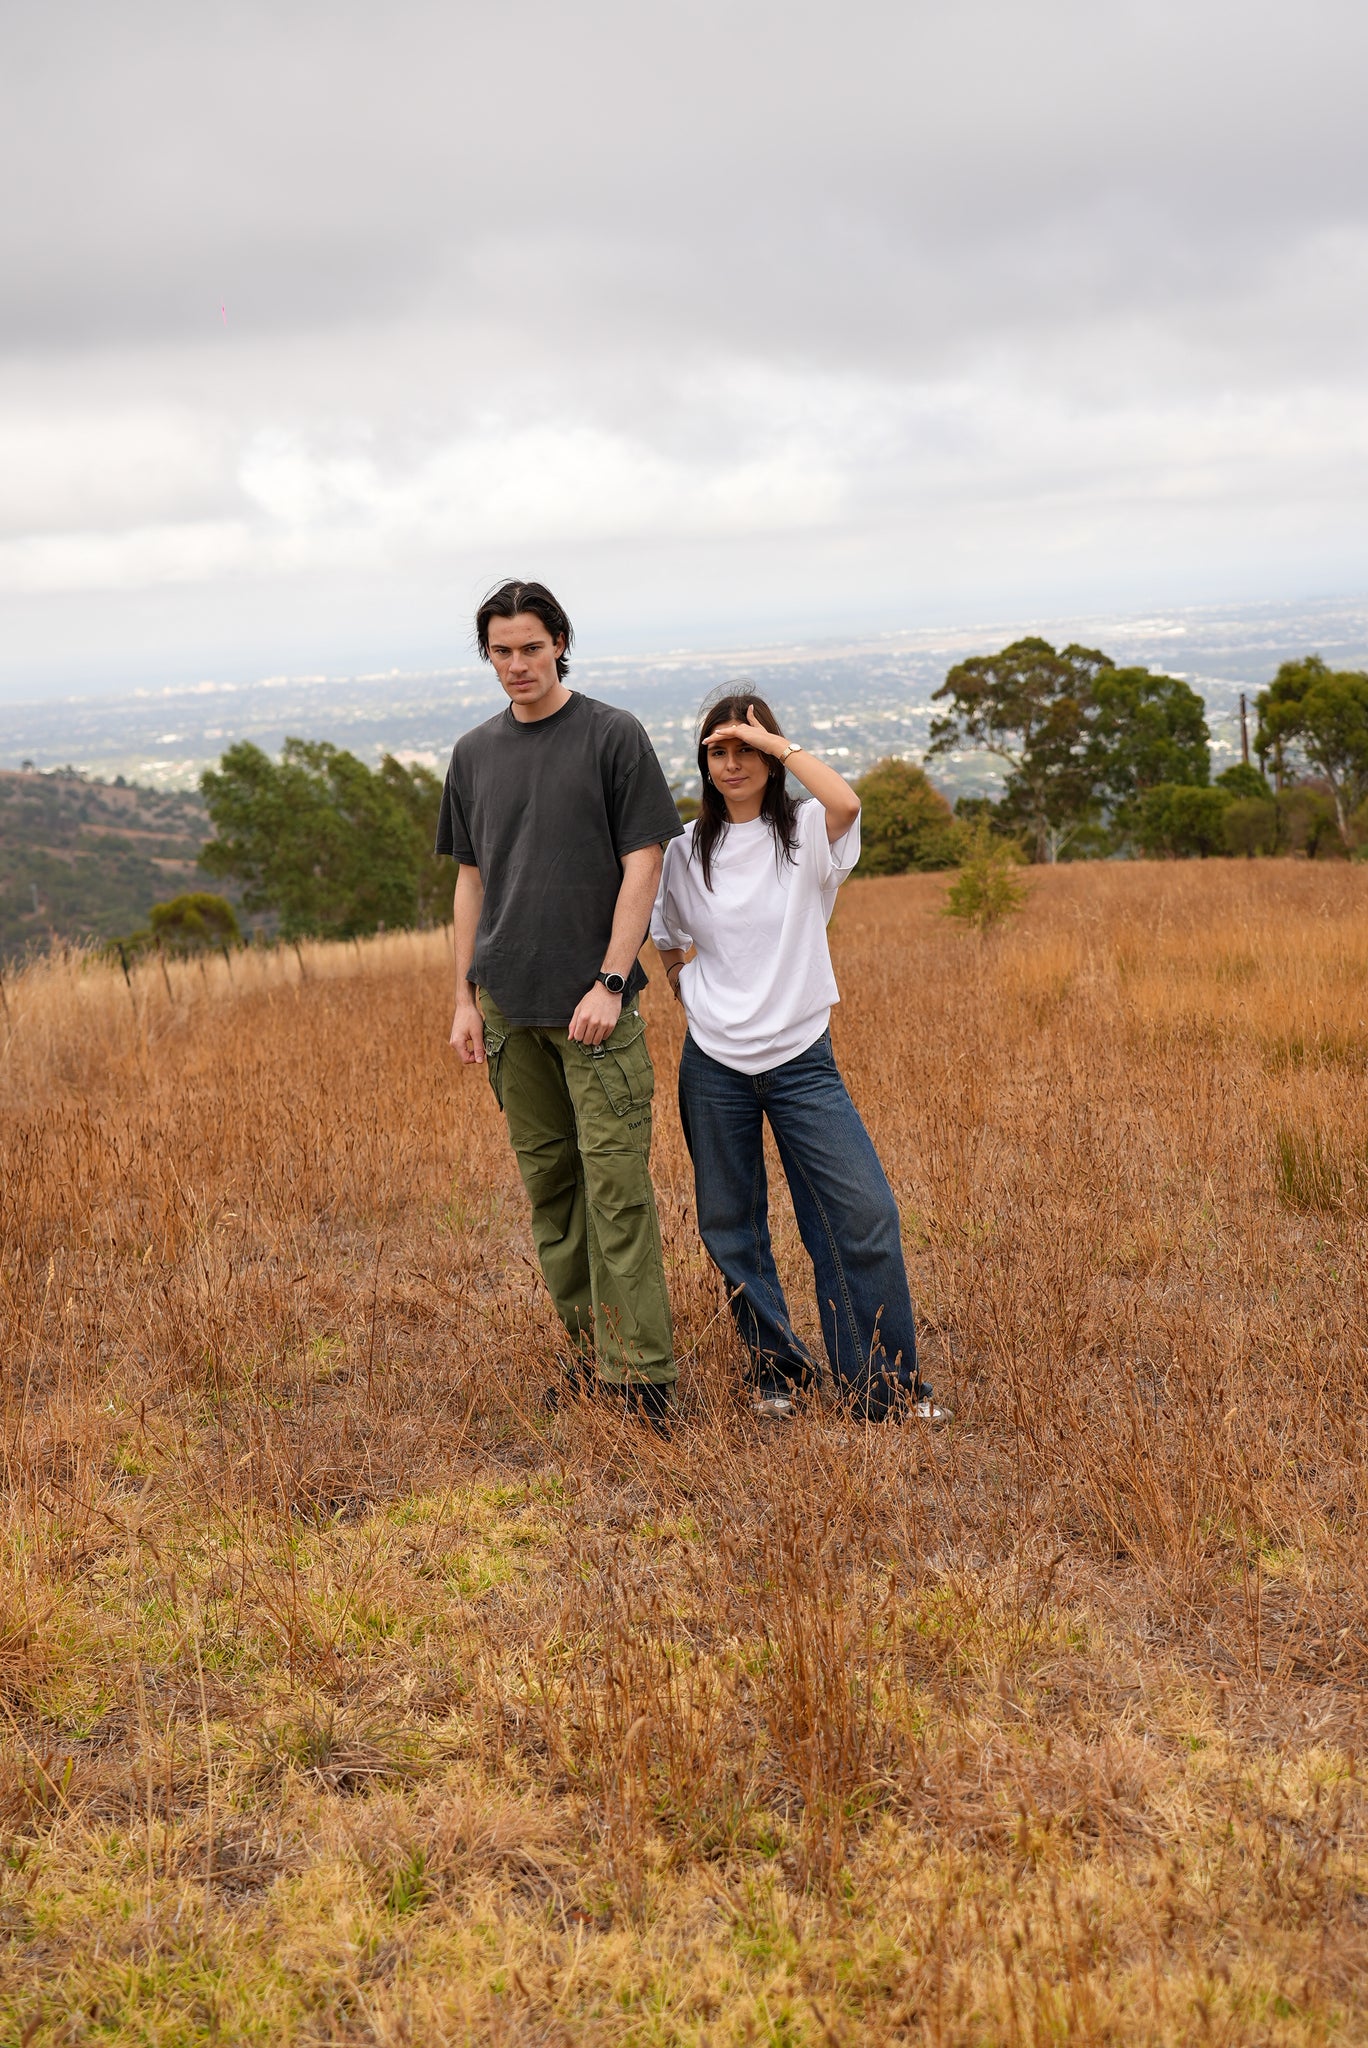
pixel 650 1401
pixel 572 1386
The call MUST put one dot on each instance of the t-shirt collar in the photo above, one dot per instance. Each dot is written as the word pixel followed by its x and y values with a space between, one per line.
pixel 540 724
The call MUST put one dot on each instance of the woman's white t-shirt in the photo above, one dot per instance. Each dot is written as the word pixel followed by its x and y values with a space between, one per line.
pixel 760 987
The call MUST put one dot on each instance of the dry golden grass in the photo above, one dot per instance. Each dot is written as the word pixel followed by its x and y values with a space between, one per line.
pixel 345 1698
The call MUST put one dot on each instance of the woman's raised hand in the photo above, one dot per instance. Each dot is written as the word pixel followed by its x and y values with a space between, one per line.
pixel 751 734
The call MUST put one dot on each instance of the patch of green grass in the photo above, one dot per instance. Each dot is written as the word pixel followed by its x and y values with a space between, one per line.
pixel 1308 1172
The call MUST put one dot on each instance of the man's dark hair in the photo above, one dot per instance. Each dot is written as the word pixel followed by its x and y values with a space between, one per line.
pixel 511 598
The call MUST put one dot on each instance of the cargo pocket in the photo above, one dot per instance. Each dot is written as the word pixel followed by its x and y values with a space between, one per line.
pixel 623 1066
pixel 495 1041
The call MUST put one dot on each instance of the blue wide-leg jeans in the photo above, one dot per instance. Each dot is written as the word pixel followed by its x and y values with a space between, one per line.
pixel 846 1214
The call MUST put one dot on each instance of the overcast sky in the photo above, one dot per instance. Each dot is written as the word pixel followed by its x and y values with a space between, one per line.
pixel 726 318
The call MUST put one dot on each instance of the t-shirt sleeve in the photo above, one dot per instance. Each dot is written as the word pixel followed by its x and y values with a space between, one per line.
pixel 453 833
pixel 832 859
pixel 667 919
pixel 644 812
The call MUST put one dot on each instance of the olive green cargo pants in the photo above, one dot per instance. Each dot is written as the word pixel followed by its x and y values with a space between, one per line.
pixel 579 1118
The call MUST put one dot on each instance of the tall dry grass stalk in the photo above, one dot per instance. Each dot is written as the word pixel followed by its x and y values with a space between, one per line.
pixel 344 1696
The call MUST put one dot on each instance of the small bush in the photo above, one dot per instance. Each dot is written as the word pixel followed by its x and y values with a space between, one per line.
pixel 905 822
pixel 1183 820
pixel 1250 826
pixel 187 924
pixel 1307 823
pixel 986 889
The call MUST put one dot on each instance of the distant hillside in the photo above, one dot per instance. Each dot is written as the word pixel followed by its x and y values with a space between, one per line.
pixel 82 859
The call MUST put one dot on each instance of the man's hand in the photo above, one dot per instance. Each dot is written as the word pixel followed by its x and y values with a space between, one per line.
pixel 595 1016
pixel 467 1033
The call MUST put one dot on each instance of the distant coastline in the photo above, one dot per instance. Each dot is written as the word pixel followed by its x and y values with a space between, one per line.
pixel 859 700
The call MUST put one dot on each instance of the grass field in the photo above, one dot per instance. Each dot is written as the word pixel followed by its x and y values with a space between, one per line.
pixel 347 1698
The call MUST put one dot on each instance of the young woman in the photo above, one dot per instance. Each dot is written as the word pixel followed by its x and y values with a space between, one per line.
pixel 750 887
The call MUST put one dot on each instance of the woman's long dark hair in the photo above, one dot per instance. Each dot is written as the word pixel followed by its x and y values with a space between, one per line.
pixel 776 807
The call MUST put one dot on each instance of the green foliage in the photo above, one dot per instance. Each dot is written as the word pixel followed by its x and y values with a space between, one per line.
pixel 187 924
pixel 1320 714
pixel 1307 1171
pixel 1146 730
pixel 335 849
pixel 1188 823
pixel 1244 781
pixel 1358 830
pixel 1307 823
pixel 987 889
pixel 1028 706
pixel 1090 839
pixel 1082 740
pixel 409 1887
pixel 905 822
pixel 1250 826
pixel 688 807
pixel 969 809
pixel 1184 821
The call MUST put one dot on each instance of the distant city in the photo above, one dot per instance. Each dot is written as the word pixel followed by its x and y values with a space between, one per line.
pixel 857 702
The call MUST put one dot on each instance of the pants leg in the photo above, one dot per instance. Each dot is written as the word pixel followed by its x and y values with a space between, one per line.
pixel 724 1131
pixel 528 1080
pixel 850 1226
pixel 610 1087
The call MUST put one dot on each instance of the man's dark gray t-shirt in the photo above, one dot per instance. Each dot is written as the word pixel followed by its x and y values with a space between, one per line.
pixel 546 809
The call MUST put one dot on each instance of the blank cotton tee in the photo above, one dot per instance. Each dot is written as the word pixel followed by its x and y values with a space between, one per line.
pixel 545 809
pixel 760 988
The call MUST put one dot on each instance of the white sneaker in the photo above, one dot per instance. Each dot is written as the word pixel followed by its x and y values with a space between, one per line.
pixel 773 1407
pixel 927 1411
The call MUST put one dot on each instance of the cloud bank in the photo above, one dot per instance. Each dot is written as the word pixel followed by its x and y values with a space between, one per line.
pixel 729 316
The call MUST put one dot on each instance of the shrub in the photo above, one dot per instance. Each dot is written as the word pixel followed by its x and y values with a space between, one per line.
pixel 1244 781
pixel 186 924
pixel 1182 820
pixel 905 822
pixel 986 889
pixel 1307 822
pixel 1251 826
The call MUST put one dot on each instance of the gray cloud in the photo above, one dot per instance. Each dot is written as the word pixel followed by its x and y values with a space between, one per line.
pixel 808 309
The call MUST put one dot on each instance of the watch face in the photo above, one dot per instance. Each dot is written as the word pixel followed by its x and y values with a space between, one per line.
pixel 614 983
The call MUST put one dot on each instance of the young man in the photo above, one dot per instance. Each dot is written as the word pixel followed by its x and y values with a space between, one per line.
pixel 556 811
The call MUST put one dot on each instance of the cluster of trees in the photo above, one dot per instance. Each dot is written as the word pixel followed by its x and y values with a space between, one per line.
pixel 1316 717
pixel 1096 759
pixel 1099 759
pixel 1082 742
pixel 329 847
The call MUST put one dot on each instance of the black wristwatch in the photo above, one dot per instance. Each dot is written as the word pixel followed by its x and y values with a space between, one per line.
pixel 614 983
